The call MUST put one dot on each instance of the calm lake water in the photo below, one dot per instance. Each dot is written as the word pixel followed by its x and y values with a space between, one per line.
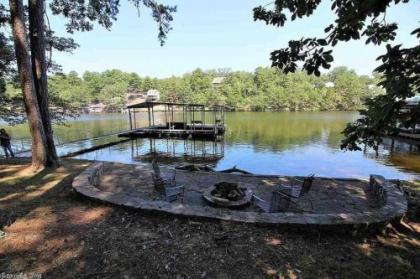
pixel 286 143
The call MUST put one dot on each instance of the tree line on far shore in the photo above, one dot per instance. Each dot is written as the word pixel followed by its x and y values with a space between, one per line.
pixel 265 89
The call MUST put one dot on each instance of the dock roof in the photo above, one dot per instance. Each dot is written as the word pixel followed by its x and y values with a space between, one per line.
pixel 151 104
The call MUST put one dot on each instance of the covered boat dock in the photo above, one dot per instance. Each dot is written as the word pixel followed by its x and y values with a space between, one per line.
pixel 176 120
pixel 411 108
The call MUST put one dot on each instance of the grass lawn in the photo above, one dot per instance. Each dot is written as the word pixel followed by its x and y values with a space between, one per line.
pixel 52 231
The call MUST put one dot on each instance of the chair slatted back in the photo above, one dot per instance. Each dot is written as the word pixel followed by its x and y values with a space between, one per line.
pixel 159 185
pixel 279 202
pixel 307 184
pixel 172 180
pixel 156 168
pixel 158 182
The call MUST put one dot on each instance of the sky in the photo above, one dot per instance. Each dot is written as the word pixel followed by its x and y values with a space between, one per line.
pixel 211 35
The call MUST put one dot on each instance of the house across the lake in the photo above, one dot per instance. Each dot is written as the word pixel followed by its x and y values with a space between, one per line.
pixel 217 81
pixel 329 84
pixel 135 96
pixel 152 95
pixel 97 108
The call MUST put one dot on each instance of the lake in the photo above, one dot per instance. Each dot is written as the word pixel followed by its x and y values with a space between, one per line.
pixel 285 143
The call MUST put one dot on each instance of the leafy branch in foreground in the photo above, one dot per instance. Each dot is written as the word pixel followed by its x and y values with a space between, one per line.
pixel 384 113
pixel 354 19
pixel 83 14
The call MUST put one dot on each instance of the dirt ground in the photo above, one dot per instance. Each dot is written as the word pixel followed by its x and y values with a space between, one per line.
pixel 50 230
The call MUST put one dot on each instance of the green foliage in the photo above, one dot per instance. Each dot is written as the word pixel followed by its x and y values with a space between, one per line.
pixel 354 19
pixel 6 52
pixel 383 113
pixel 83 14
pixel 69 88
pixel 266 89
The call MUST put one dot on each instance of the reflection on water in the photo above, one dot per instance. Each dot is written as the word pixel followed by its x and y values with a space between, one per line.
pixel 172 151
pixel 289 143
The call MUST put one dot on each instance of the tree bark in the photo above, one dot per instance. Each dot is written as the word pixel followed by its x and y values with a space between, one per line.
pixel 39 70
pixel 27 83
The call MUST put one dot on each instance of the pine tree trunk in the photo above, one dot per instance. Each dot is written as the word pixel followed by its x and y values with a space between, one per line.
pixel 27 83
pixel 39 70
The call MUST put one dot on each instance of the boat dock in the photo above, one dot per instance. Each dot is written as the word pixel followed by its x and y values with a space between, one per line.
pixel 412 109
pixel 180 120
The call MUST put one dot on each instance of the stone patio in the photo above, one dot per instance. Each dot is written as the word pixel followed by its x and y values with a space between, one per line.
pixel 330 201
pixel 325 196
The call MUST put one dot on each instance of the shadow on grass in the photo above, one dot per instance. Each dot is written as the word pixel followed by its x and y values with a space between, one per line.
pixel 62 235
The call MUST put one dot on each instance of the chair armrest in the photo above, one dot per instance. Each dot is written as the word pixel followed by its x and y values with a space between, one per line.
pixel 294 190
pixel 265 206
pixel 299 180
pixel 285 186
pixel 175 190
pixel 176 187
pixel 257 198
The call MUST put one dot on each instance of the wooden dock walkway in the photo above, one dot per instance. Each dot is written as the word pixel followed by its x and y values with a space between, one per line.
pixel 173 133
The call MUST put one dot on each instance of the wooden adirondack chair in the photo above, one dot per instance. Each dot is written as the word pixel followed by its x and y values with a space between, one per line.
pixel 279 202
pixel 377 188
pixel 166 185
pixel 298 191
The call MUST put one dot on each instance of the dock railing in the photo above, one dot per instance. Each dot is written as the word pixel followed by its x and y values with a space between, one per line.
pixel 194 118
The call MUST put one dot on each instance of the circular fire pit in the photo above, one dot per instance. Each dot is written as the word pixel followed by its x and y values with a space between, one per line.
pixel 226 194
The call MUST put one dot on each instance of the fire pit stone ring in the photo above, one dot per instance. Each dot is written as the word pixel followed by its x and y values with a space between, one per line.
pixel 222 202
